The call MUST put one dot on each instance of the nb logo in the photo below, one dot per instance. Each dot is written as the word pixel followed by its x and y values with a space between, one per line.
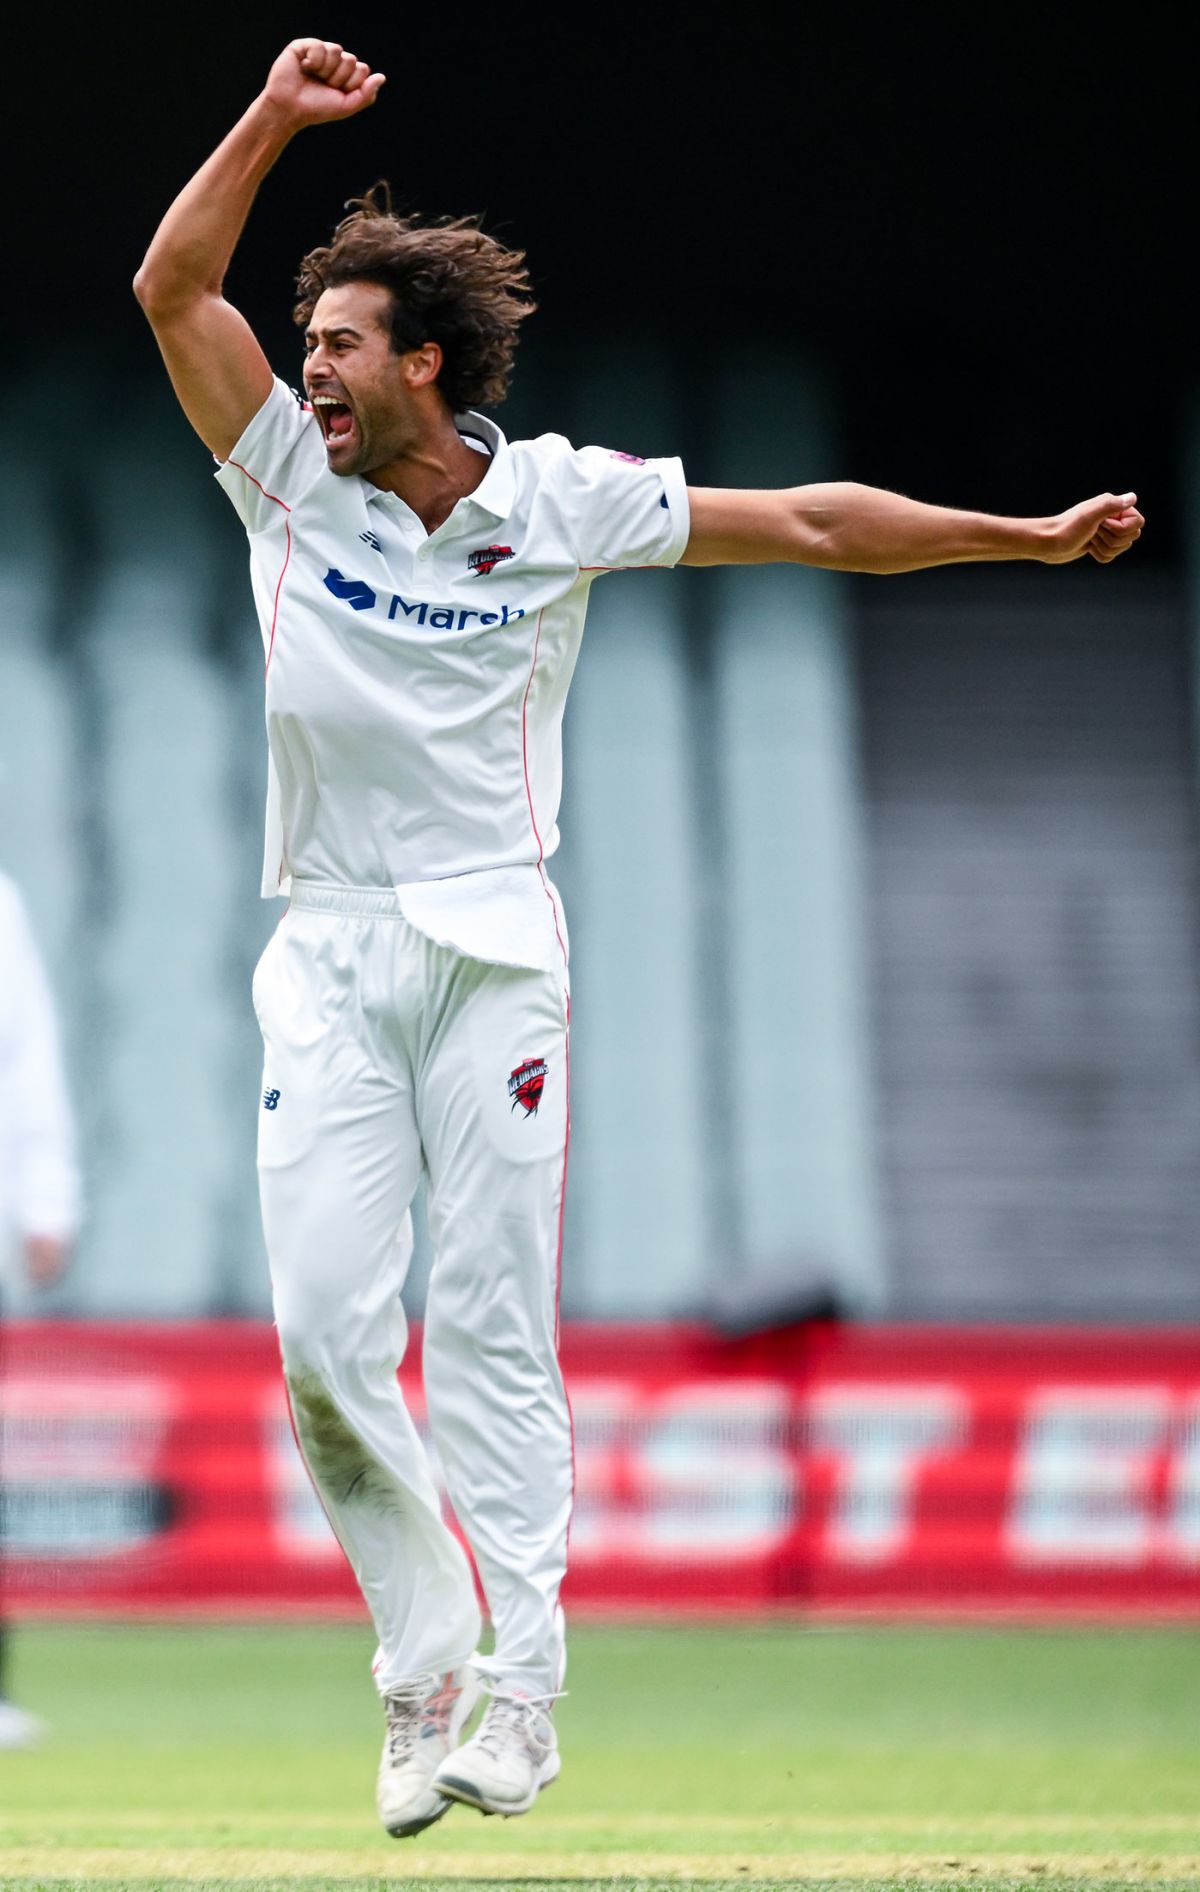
pixel 270 1100
pixel 371 539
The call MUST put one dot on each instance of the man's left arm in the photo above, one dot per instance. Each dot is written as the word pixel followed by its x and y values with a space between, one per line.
pixel 840 526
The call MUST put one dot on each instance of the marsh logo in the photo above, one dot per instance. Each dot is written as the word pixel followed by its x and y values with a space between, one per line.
pixel 352 591
pixel 435 617
pixel 444 617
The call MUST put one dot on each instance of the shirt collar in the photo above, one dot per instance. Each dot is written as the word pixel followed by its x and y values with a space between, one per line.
pixel 497 489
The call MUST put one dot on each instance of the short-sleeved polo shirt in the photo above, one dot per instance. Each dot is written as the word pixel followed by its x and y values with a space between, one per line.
pixel 415 682
pixel 39 1173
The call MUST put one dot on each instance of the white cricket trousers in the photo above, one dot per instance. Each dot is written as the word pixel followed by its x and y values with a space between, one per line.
pixel 387 1055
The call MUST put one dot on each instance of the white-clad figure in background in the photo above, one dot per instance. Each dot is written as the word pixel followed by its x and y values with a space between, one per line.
pixel 39 1175
pixel 421 585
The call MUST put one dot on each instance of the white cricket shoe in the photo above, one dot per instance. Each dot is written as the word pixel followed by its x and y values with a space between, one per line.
pixel 424 1720
pixel 18 1728
pixel 505 1765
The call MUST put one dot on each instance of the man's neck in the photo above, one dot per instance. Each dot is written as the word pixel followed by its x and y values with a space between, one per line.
pixel 433 474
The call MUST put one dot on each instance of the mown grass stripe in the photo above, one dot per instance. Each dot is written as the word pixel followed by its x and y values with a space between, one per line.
pixel 220 1865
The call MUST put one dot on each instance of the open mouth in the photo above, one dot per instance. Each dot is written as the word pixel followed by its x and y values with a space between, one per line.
pixel 335 417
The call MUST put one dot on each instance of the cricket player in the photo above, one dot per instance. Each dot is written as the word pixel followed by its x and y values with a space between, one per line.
pixel 39 1174
pixel 421 584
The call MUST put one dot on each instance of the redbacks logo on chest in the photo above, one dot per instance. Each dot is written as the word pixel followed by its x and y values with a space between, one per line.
pixel 527 1083
pixel 487 558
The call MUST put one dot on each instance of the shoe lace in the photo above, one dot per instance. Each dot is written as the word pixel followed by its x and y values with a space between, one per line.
pixel 405 1710
pixel 511 1721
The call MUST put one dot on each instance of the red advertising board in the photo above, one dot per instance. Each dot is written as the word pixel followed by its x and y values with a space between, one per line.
pixel 820 1469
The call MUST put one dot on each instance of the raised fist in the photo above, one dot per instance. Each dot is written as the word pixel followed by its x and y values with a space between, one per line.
pixel 313 81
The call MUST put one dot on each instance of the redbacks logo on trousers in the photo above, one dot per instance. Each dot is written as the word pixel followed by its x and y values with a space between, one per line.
pixel 526 1084
pixel 487 558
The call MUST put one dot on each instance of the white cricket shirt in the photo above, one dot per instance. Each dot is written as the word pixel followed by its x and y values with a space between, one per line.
pixel 39 1174
pixel 415 682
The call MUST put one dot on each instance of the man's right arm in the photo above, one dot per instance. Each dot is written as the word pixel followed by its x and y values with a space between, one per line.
pixel 213 358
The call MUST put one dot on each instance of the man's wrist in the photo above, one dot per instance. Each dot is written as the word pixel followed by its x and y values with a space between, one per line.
pixel 274 120
pixel 1018 538
pixel 1040 539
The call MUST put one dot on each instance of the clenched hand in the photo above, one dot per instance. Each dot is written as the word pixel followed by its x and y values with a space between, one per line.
pixel 314 81
pixel 1103 527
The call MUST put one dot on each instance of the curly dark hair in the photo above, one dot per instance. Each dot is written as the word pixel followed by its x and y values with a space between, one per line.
pixel 450 283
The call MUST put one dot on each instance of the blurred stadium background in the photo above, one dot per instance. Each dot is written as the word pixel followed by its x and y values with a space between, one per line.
pixel 881 1286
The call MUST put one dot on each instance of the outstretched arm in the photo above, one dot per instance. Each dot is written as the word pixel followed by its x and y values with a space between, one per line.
pixel 849 528
pixel 215 363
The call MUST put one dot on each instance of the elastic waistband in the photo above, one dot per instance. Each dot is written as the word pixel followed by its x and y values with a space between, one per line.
pixel 378 902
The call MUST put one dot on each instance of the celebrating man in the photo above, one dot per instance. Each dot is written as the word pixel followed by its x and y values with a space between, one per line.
pixel 422 585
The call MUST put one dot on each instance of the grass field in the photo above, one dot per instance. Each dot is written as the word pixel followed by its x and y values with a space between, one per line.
pixel 754 1757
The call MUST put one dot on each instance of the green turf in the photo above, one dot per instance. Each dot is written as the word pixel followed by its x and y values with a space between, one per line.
pixel 245 1758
